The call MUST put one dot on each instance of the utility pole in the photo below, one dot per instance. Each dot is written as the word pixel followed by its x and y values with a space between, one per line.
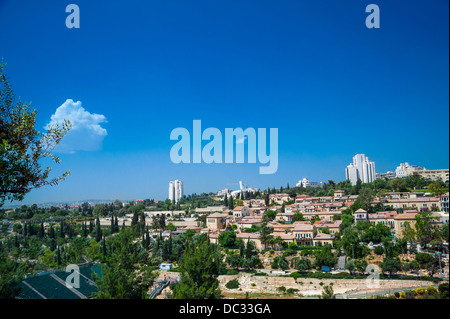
pixel 353 259
pixel 440 267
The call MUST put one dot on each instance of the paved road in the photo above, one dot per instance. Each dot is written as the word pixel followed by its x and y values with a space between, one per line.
pixel 341 262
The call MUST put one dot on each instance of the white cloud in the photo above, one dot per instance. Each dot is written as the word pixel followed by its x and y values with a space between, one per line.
pixel 86 133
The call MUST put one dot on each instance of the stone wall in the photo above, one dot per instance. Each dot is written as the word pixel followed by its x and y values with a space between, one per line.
pixel 311 286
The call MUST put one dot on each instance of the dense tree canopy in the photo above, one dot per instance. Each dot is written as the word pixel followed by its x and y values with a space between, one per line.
pixel 200 266
pixel 125 274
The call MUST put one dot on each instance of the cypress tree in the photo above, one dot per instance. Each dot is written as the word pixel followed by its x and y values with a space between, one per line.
pixel 116 225
pixel 112 225
pixel 98 231
pixel 104 251
pixel 51 233
pixel 61 230
pixel 165 250
pixel 241 250
pixel 52 244
pixel 135 219
pixel 225 201
pixel 170 244
pixel 231 206
pixel 147 239
pixel 41 231
pixel 85 232
pixel 249 250
pixel 58 257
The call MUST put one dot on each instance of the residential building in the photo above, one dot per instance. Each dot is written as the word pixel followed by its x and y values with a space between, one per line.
pixel 387 175
pixel 279 228
pixel 167 213
pixel 214 237
pixel 165 266
pixel 338 194
pixel 419 204
pixel 443 202
pixel 444 217
pixel 287 238
pixel 254 237
pixel 323 239
pixel 402 219
pixel 360 214
pixel 209 210
pixel 241 212
pixel 333 227
pixel 434 174
pixel 404 169
pixel 175 190
pixel 224 192
pixel 403 195
pixel 254 202
pixel 400 223
pixel 306 183
pixel 286 217
pixel 248 222
pixel 361 168
pixel 385 218
pixel 323 215
pixel 216 221
pixel 304 234
pixel 279 198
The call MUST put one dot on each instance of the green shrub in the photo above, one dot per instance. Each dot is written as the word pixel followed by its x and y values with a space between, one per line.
pixel 409 294
pixel 443 290
pixel 289 252
pixel 431 291
pixel 379 250
pixel 232 284
pixel 281 288
pixel 292 291
pixel 423 259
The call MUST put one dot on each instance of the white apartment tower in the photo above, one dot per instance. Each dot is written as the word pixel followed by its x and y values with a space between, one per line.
pixel 362 168
pixel 175 190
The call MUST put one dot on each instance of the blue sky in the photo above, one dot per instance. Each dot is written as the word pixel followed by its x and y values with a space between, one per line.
pixel 312 69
